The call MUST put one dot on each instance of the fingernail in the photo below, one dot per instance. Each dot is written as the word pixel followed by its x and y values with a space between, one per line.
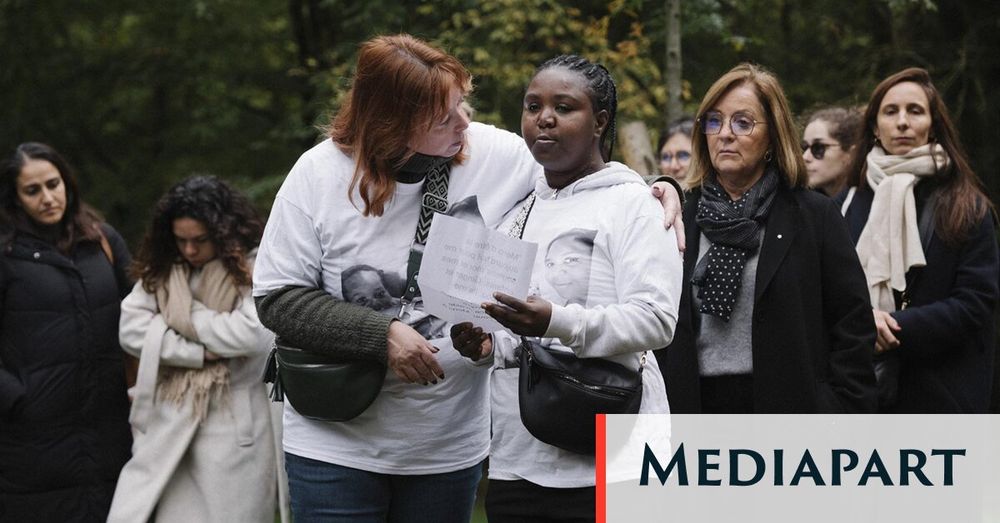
pixel 496 295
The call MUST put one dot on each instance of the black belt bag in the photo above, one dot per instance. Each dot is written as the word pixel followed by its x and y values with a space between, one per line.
pixel 320 387
pixel 559 395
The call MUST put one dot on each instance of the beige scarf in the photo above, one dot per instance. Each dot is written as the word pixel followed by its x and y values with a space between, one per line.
pixel 890 242
pixel 174 299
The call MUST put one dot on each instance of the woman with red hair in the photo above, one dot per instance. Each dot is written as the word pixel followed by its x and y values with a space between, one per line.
pixel 355 200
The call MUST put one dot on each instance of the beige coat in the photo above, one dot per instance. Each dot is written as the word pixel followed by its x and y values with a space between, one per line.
pixel 227 467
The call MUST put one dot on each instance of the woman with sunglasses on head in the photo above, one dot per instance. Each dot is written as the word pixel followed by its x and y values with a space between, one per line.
pixel 598 234
pixel 415 454
pixel 925 234
pixel 675 148
pixel 64 433
pixel 774 317
pixel 828 148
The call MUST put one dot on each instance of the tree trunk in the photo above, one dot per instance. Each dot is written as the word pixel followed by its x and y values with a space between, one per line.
pixel 637 149
pixel 674 73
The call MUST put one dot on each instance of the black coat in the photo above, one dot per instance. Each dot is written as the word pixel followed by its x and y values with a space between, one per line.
pixel 812 333
pixel 64 432
pixel 947 341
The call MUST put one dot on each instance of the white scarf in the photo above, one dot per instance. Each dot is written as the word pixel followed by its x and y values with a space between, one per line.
pixel 890 242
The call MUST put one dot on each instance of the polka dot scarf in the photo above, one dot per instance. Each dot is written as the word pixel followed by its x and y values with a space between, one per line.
pixel 733 227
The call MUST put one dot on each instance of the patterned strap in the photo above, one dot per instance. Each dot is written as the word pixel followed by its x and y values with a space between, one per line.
pixel 434 199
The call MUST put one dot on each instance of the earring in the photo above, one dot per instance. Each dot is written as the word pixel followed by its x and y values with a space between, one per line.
pixel 767 157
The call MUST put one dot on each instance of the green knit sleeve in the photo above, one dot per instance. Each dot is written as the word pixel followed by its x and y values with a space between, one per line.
pixel 312 320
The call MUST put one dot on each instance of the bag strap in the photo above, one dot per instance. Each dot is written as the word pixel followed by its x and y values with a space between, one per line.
pixel 517 228
pixel 131 362
pixel 433 200
pixel 105 245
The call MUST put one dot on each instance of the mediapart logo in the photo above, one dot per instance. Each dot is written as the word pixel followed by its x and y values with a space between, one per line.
pixel 786 468
pixel 744 467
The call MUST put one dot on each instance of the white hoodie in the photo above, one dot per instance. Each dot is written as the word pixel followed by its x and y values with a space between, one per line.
pixel 613 275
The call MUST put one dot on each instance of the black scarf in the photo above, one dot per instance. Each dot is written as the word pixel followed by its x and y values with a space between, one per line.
pixel 733 227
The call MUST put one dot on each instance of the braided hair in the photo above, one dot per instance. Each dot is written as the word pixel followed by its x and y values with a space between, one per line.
pixel 603 94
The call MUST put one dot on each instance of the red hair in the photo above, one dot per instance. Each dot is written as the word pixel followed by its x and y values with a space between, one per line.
pixel 400 89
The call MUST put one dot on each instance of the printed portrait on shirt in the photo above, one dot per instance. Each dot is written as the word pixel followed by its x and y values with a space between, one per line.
pixel 369 287
pixel 382 291
pixel 567 264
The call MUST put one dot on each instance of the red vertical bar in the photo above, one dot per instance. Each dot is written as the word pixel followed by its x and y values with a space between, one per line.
pixel 601 458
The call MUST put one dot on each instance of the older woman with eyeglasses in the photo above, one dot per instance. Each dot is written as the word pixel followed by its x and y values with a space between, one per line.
pixel 774 315
pixel 828 147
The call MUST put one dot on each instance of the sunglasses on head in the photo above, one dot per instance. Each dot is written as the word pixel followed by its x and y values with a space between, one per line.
pixel 818 149
pixel 682 156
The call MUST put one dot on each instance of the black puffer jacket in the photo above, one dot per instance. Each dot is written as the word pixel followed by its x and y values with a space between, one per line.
pixel 64 432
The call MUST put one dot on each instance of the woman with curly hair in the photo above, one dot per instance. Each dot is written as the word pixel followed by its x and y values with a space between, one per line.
pixel 204 444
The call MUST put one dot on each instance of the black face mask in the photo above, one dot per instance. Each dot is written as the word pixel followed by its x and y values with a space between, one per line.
pixel 418 166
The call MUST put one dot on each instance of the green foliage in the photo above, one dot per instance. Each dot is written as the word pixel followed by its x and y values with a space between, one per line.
pixel 140 95
pixel 502 41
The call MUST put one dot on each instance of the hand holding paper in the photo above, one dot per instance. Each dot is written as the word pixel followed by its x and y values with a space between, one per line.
pixel 464 264
pixel 525 317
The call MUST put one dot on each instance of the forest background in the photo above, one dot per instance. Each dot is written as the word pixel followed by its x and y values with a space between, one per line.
pixel 138 95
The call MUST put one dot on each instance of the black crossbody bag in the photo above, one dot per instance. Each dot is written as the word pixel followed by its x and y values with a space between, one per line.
pixel 559 395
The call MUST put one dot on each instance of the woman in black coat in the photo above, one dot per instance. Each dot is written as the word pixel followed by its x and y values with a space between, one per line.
pixel 64 432
pixel 774 317
pixel 925 234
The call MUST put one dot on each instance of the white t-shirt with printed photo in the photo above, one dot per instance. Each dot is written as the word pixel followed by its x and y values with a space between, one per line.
pixel 317 237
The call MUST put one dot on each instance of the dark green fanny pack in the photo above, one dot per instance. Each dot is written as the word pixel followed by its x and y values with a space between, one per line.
pixel 320 387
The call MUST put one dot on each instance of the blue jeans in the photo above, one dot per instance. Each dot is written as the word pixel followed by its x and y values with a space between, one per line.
pixel 324 492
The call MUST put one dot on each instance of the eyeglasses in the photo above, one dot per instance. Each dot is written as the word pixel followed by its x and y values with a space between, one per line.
pixel 682 156
pixel 818 149
pixel 740 124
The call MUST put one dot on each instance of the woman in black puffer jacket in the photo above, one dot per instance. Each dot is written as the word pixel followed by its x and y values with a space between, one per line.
pixel 64 432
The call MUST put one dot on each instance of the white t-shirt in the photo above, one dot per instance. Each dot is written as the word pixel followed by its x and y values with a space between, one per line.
pixel 317 237
pixel 613 275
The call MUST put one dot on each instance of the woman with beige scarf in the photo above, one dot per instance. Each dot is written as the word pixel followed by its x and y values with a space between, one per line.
pixel 204 439
pixel 925 235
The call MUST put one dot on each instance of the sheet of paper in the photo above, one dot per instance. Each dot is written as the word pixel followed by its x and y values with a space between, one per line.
pixel 464 264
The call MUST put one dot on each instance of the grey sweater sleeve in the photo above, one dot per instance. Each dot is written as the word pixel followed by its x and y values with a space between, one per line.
pixel 312 320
